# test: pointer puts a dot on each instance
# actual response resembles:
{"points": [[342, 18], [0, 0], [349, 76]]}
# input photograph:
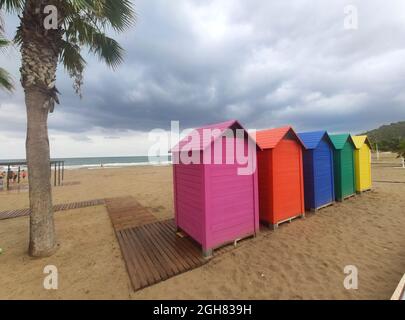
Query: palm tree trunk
{"points": [[39, 53], [42, 229]]}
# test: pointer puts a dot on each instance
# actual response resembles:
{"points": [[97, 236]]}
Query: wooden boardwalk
{"points": [[69, 183], [59, 207], [126, 212], [152, 250], [25, 187]]}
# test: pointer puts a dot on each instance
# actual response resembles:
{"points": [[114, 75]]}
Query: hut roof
{"points": [[339, 140], [359, 141], [312, 139], [269, 139], [203, 142]]}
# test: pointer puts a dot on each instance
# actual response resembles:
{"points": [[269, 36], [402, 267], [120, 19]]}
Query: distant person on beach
{"points": [[15, 176], [2, 180], [10, 175], [24, 174]]}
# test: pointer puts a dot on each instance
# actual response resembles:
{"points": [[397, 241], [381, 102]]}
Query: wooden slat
{"points": [[182, 246], [69, 183], [146, 259], [170, 247], [25, 187], [171, 261], [157, 258], [153, 253], [141, 271], [194, 251], [58, 207], [126, 212], [132, 267]]}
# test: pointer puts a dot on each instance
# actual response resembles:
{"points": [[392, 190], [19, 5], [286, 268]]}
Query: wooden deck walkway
{"points": [[153, 253], [59, 207], [127, 212], [152, 250], [25, 187]]}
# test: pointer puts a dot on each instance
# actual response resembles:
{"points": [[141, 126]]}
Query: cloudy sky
{"points": [[266, 63]]}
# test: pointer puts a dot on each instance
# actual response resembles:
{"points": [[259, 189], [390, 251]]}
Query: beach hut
{"points": [[318, 170], [362, 163], [343, 159], [215, 202], [281, 188]]}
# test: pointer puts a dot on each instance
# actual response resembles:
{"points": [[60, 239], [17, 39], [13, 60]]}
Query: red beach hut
{"points": [[281, 187], [215, 203]]}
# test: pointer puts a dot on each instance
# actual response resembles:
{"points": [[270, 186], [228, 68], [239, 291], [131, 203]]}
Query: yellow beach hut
{"points": [[362, 162]]}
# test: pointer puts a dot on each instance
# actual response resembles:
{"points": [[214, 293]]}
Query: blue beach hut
{"points": [[319, 188]]}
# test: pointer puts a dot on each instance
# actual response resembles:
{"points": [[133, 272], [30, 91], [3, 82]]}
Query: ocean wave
{"points": [[116, 165]]}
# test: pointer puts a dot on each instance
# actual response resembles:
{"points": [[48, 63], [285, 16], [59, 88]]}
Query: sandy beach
{"points": [[301, 260]]}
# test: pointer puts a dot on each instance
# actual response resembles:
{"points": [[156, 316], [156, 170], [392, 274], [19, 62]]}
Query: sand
{"points": [[151, 185], [301, 260]]}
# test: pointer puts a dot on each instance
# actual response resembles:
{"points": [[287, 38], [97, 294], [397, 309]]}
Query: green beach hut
{"points": [[343, 158]]}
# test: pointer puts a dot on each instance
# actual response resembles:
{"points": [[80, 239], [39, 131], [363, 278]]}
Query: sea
{"points": [[103, 162]]}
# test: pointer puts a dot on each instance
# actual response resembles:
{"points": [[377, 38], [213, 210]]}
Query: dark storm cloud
{"points": [[265, 63]]}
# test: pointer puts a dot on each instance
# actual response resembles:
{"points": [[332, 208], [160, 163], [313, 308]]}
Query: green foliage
{"points": [[6, 82], [388, 137], [401, 149], [14, 6]]}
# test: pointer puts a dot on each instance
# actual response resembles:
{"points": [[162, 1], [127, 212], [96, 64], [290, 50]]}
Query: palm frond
{"points": [[3, 42], [119, 14], [1, 24], [71, 58], [84, 23], [18, 36], [106, 48], [6, 82], [79, 5], [12, 6]]}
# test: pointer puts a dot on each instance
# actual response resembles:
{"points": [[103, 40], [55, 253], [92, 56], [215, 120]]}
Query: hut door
{"points": [[347, 170], [323, 178], [287, 179], [364, 166], [231, 200]]}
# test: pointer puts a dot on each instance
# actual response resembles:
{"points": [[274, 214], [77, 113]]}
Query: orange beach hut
{"points": [[280, 168]]}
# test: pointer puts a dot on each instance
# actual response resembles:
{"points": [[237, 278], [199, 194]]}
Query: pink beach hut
{"points": [[215, 193]]}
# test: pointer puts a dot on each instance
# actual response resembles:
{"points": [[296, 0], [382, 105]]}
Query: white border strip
{"points": [[399, 293]]}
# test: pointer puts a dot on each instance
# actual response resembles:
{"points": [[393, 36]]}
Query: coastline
{"points": [[95, 162]]}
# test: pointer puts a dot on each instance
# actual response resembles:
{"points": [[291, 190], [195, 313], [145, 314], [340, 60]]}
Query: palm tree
{"points": [[79, 23], [5, 79]]}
